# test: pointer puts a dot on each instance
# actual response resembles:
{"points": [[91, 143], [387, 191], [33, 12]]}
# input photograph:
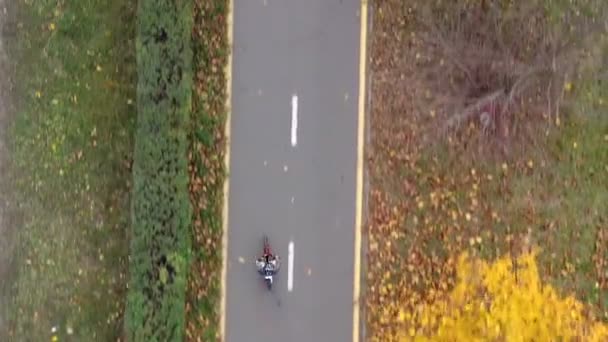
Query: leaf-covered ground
{"points": [[522, 307], [207, 169], [431, 198]]}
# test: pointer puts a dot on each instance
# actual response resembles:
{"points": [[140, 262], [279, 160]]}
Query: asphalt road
{"points": [[303, 193]]}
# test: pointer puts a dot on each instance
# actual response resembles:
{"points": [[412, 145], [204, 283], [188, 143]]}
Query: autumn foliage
{"points": [[500, 301], [206, 168], [486, 187]]}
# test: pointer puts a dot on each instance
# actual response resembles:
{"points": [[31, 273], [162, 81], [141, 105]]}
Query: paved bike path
{"points": [[304, 194]]}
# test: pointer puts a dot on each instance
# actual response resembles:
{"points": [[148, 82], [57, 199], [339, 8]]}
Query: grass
{"points": [[71, 143], [72, 140], [207, 169], [429, 202]]}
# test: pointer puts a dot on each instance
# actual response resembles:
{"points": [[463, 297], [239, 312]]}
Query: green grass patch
{"points": [[207, 169], [70, 143], [570, 197], [161, 214]]}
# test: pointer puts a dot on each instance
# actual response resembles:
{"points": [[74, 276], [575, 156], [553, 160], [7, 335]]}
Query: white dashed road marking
{"points": [[294, 120], [290, 267]]}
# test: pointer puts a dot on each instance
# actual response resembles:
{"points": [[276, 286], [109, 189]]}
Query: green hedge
{"points": [[161, 213]]}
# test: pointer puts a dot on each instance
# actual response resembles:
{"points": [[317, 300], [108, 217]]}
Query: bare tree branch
{"points": [[511, 55], [458, 118]]}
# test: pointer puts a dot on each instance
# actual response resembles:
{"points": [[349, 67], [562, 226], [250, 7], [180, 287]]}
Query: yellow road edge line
{"points": [[360, 166], [228, 73]]}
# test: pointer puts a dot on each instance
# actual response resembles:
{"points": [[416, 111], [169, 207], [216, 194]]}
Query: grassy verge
{"points": [[160, 244], [207, 172], [431, 201], [70, 143]]}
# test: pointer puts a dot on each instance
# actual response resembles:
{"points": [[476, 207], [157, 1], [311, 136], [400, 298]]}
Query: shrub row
{"points": [[161, 213]]}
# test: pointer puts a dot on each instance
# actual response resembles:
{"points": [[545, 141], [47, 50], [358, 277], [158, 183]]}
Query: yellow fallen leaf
{"points": [[401, 317]]}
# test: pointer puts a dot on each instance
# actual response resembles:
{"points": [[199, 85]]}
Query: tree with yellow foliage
{"points": [[501, 301]]}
